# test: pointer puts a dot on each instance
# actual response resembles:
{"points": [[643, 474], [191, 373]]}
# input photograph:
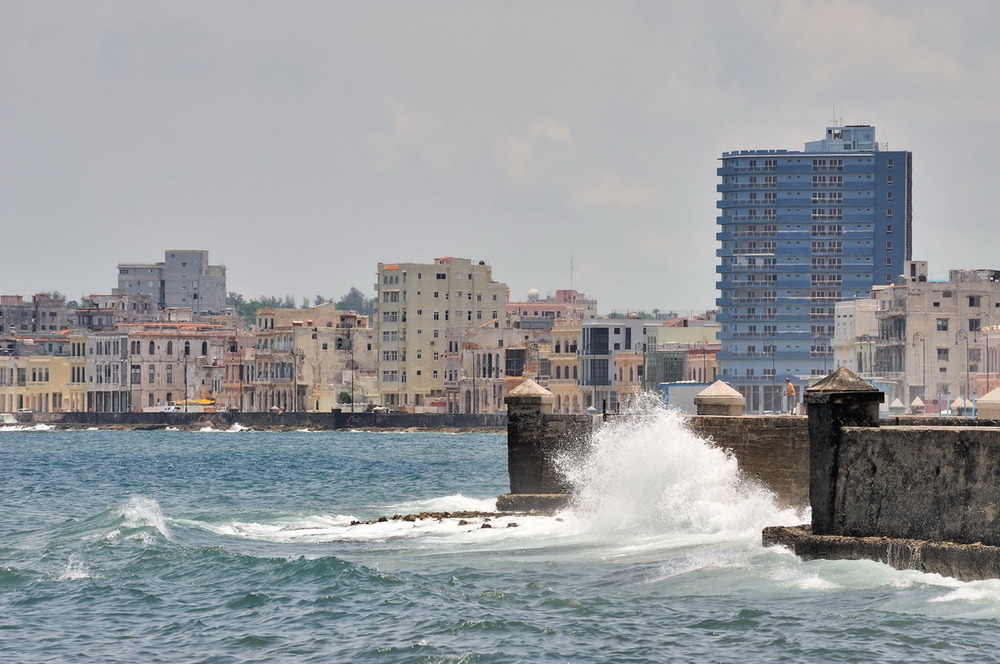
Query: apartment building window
{"points": [[942, 354], [136, 374], [170, 374], [942, 324], [152, 373], [974, 300], [973, 325], [888, 180], [888, 246], [441, 275], [888, 228], [437, 316], [170, 348]]}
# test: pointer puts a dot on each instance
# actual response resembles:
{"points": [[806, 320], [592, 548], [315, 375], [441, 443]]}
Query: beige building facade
{"points": [[934, 336], [416, 304]]}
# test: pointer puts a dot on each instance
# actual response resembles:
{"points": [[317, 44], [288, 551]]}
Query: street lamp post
{"points": [[919, 338], [771, 350], [640, 347], [963, 335]]}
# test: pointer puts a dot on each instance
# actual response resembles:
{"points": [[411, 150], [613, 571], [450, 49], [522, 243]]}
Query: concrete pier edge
{"points": [[965, 562]]}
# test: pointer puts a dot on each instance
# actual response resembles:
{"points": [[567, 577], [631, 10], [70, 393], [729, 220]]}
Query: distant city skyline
{"points": [[301, 143]]}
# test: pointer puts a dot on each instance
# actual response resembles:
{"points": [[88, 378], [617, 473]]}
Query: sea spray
{"points": [[647, 472], [143, 512]]}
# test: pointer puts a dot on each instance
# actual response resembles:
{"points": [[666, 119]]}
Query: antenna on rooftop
{"points": [[836, 122]]}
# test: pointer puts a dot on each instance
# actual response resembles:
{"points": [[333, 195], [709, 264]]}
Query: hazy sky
{"points": [[300, 142]]}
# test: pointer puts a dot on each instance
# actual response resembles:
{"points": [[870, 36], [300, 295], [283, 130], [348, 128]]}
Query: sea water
{"points": [[238, 546]]}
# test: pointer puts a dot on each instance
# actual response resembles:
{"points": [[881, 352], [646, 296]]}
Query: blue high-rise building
{"points": [[798, 232]]}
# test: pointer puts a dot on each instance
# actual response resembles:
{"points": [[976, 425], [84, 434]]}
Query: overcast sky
{"points": [[301, 142]]}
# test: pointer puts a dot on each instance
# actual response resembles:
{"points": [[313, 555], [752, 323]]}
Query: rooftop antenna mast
{"points": [[837, 122]]}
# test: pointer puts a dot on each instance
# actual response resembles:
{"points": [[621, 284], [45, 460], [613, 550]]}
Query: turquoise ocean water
{"points": [[236, 546]]}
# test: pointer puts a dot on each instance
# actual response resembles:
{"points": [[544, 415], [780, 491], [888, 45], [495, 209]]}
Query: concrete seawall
{"points": [[773, 450], [316, 421], [914, 497]]}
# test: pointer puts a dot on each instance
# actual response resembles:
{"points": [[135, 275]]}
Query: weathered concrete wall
{"points": [[771, 450], [535, 442], [925, 483], [961, 561], [774, 450]]}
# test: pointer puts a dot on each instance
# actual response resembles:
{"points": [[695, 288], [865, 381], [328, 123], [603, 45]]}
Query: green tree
{"points": [[355, 300]]}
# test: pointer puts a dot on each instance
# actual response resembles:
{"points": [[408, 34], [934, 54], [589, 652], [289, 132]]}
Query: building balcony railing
{"points": [[562, 382], [740, 234], [752, 268], [751, 251]]}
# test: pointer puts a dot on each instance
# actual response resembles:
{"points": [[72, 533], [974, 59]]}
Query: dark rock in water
{"points": [[486, 525], [541, 503], [463, 522], [512, 525]]}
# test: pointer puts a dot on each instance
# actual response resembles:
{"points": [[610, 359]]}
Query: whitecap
{"points": [[453, 503], [74, 569], [142, 512]]}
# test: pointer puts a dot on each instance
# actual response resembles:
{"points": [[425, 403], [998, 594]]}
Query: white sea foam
{"points": [[142, 512], [339, 528], [34, 427], [75, 569], [974, 592], [236, 427], [649, 473], [453, 503]]}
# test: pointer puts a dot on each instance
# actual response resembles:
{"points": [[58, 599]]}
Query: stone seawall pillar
{"points": [[535, 439], [842, 399]]}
